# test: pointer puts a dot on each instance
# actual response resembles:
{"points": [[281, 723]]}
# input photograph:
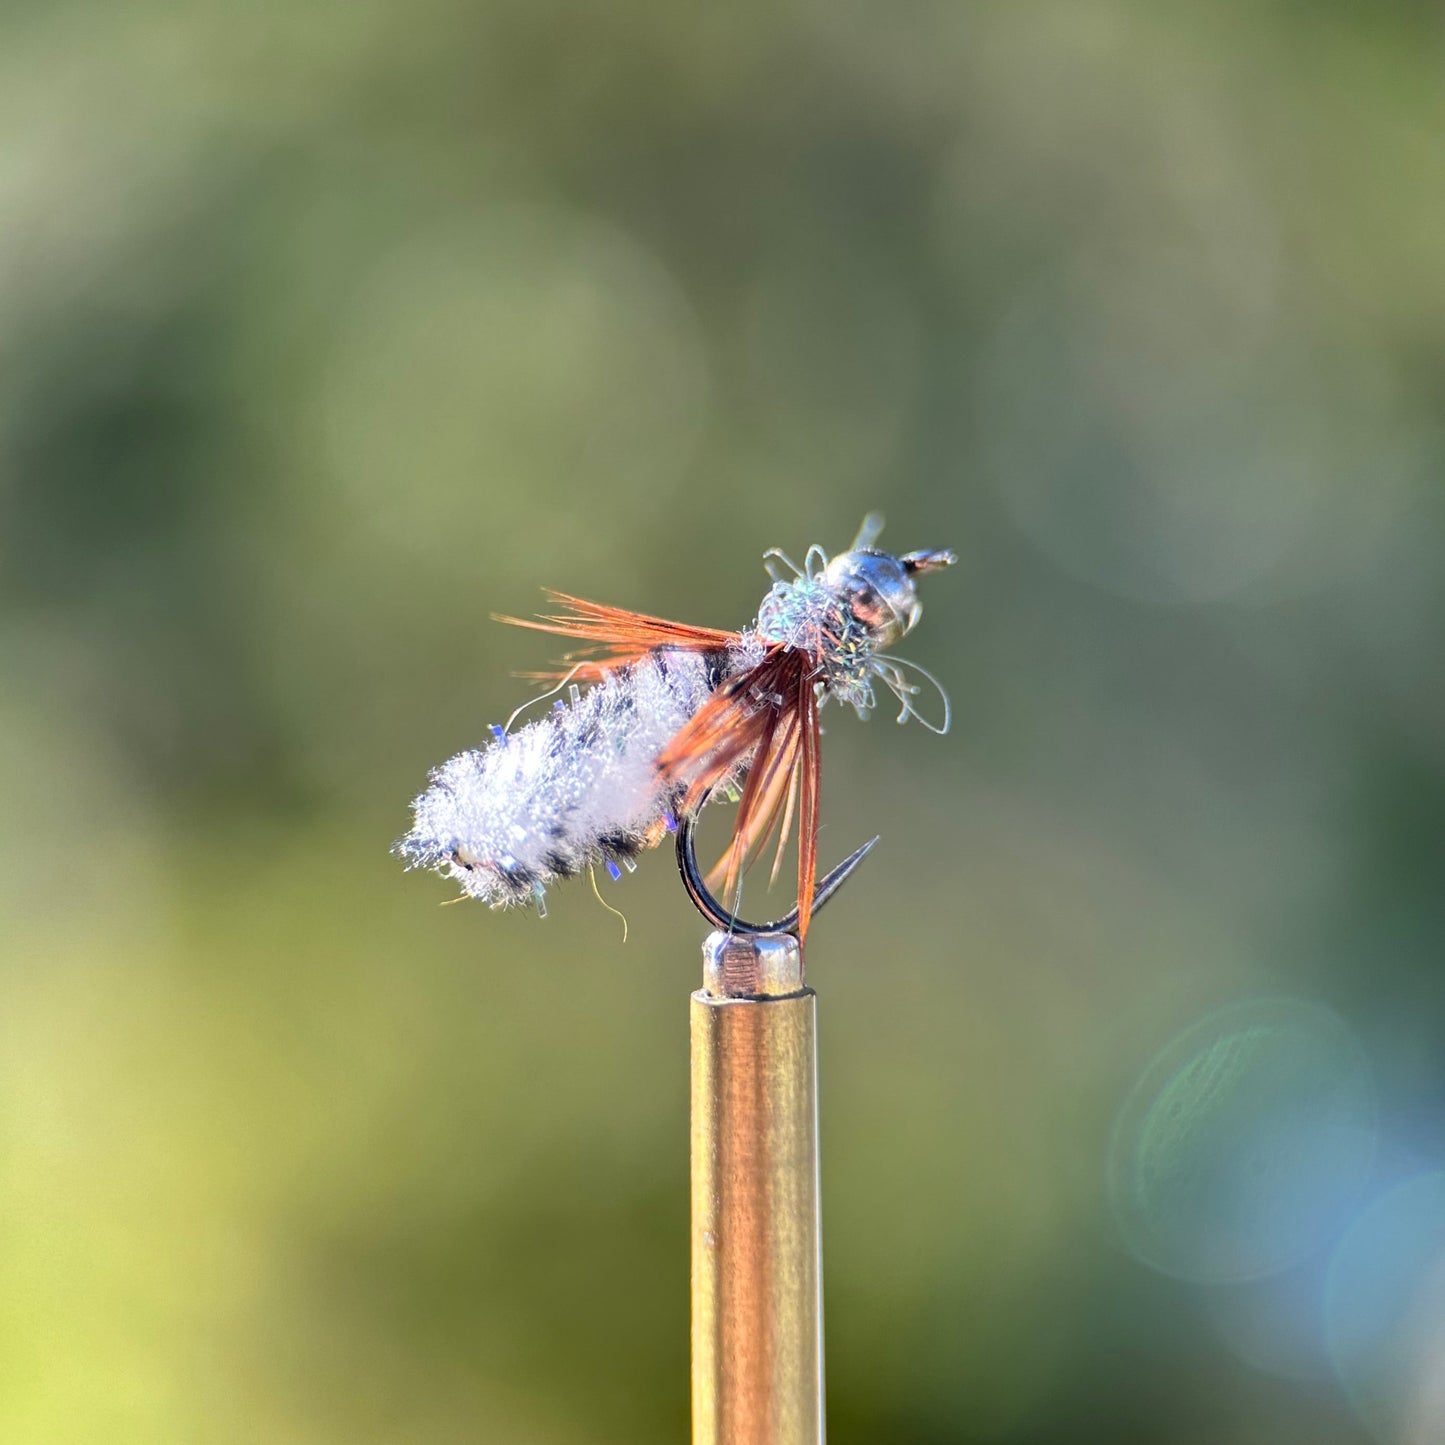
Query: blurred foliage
{"points": [[324, 333]]}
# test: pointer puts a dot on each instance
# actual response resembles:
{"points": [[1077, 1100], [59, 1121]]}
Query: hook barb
{"points": [[728, 922]]}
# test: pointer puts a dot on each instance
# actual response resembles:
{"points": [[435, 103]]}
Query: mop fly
{"points": [[672, 714]]}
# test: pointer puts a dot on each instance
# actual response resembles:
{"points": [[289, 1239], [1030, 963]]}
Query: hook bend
{"points": [[729, 922]]}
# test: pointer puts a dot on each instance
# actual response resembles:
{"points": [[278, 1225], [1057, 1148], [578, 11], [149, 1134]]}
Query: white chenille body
{"points": [[575, 789]]}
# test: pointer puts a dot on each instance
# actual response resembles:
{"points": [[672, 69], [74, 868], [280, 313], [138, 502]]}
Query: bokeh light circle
{"points": [[1244, 1144], [1385, 1313], [465, 345], [1157, 466], [1274, 1324]]}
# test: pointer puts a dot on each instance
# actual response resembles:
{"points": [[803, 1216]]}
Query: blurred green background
{"points": [[327, 331]]}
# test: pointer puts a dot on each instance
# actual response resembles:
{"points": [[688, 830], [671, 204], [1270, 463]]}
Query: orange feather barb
{"points": [[673, 713]]}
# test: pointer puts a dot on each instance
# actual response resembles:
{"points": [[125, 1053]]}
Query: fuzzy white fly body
{"points": [[573, 790], [602, 777]]}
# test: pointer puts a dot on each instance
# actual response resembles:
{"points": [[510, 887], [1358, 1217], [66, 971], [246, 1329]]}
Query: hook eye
{"points": [[915, 562]]}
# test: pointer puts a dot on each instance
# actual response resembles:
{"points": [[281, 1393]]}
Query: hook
{"points": [[719, 916]]}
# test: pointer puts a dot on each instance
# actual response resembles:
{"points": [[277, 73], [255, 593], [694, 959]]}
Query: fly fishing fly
{"points": [[671, 714]]}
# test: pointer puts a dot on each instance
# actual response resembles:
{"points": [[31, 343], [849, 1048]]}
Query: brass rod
{"points": [[757, 1306]]}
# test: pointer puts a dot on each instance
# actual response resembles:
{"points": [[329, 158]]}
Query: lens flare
{"points": [[1385, 1313], [1242, 1147]]}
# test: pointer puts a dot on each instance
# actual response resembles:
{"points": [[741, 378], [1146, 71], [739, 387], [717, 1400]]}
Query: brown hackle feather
{"points": [[768, 718], [765, 719], [809, 793], [616, 636]]}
